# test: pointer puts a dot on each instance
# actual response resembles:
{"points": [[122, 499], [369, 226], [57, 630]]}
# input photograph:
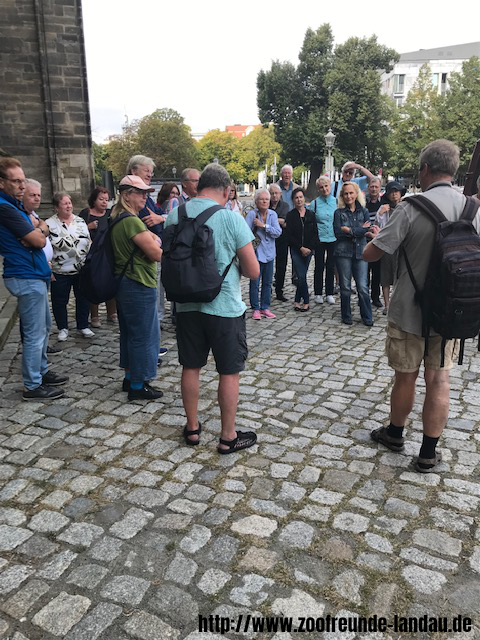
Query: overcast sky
{"points": [[202, 58]]}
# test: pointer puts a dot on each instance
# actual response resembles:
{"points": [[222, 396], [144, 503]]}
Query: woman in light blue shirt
{"points": [[324, 207], [264, 224]]}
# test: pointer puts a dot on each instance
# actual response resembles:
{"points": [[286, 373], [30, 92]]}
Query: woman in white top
{"points": [[233, 203], [70, 242]]}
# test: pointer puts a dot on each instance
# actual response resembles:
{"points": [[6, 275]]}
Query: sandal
{"points": [[427, 465], [244, 440], [195, 432], [381, 435], [295, 308], [306, 308]]}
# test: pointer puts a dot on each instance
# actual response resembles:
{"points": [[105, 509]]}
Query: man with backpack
{"points": [[419, 324], [218, 325]]}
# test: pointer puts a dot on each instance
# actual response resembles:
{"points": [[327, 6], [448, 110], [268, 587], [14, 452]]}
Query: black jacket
{"points": [[301, 233]]}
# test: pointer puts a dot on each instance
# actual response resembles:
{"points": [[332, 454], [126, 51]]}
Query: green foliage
{"points": [[459, 109], [217, 144], [338, 88], [99, 160], [162, 136], [415, 124]]}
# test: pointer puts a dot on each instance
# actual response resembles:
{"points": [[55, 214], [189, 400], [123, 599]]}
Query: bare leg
{"points": [[437, 402], [402, 397], [190, 393], [228, 400], [386, 296]]}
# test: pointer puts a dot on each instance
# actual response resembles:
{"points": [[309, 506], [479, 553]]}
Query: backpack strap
{"points": [[428, 207], [207, 214], [470, 210], [129, 262]]}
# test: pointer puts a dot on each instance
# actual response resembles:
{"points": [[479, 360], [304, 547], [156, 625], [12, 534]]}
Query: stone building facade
{"points": [[44, 109]]}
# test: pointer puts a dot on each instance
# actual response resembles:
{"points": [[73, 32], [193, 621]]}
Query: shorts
{"points": [[405, 351], [198, 332]]}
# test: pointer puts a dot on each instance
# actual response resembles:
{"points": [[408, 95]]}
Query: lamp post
{"points": [[329, 142], [174, 171]]}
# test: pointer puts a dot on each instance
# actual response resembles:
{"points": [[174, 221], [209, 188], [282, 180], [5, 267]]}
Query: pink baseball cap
{"points": [[134, 181]]}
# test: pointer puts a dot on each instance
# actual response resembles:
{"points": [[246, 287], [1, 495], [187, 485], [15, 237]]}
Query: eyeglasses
{"points": [[192, 180], [141, 192], [16, 181]]}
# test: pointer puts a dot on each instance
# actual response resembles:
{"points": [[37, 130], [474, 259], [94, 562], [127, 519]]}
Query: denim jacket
{"points": [[350, 245]]}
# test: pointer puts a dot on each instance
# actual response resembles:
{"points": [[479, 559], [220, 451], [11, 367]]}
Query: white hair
{"points": [[139, 161], [33, 183], [260, 192], [346, 164], [286, 166], [274, 187]]}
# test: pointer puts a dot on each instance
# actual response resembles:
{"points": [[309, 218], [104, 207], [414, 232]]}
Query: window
{"points": [[443, 86], [399, 83], [435, 80], [399, 101]]}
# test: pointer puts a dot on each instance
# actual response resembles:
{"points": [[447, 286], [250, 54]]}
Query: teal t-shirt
{"points": [[231, 233]]}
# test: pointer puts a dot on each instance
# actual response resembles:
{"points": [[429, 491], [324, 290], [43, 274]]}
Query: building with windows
{"points": [[442, 61]]}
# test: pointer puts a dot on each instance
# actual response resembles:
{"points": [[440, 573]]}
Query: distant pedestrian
{"points": [[168, 197], [233, 203], [281, 243]]}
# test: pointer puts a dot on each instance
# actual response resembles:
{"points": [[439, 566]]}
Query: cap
{"points": [[134, 181]]}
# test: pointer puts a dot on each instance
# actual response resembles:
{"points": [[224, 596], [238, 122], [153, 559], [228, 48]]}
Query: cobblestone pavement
{"points": [[111, 528]]}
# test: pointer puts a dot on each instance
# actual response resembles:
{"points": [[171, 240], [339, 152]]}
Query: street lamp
{"points": [[329, 142], [174, 171]]}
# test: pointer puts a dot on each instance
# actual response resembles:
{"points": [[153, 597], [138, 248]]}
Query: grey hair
{"points": [[346, 164], [139, 161], [441, 156], [322, 180], [259, 192], [33, 183], [59, 196], [214, 176], [274, 187], [186, 173], [376, 179], [286, 166]]}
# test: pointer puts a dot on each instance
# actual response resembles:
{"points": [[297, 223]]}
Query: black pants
{"points": [[320, 264], [374, 277], [281, 260]]}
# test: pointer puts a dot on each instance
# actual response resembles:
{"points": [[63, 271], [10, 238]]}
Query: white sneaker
{"points": [[86, 333], [330, 300], [62, 335], [319, 299]]}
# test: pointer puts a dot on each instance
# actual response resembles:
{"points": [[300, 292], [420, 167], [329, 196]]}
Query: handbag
{"points": [[256, 240]]}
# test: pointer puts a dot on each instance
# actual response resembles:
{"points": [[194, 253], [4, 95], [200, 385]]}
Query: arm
{"points": [[22, 228], [35, 239], [341, 231], [359, 231], [371, 253], [272, 228], [249, 266], [368, 174], [148, 243]]}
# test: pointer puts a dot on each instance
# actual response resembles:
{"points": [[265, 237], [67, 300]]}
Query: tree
{"points": [[255, 152], [162, 136], [459, 110], [338, 88], [415, 124], [99, 160], [220, 145]]}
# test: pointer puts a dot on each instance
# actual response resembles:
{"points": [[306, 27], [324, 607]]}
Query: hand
{"points": [[366, 224], [305, 251], [385, 208], [156, 238], [282, 223], [373, 231], [152, 219], [258, 223], [93, 225], [346, 229]]}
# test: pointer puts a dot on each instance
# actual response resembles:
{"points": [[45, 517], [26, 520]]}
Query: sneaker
{"points": [[256, 315], [266, 313], [319, 299], [62, 335], [51, 379], [95, 323], [145, 393], [162, 351], [330, 300], [377, 303], [53, 351], [43, 392], [86, 333]]}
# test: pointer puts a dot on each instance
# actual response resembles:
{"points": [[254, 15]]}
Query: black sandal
{"points": [[195, 432], [244, 440]]}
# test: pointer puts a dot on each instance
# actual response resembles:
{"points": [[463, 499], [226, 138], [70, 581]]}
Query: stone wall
{"points": [[44, 109]]}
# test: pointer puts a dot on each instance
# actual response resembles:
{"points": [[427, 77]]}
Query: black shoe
{"points": [[53, 379], [126, 385], [347, 321], [145, 393], [368, 323], [53, 351], [281, 297], [377, 303], [43, 392], [159, 362]]}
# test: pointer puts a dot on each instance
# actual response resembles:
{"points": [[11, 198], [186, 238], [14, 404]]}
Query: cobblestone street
{"points": [[111, 528]]}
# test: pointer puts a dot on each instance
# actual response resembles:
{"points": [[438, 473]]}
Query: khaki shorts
{"points": [[405, 351]]}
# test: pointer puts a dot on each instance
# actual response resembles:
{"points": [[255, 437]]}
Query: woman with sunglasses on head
{"points": [[139, 250], [302, 237], [168, 197]]}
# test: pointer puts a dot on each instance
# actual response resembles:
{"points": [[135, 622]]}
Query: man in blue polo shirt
{"points": [[26, 274], [287, 185]]}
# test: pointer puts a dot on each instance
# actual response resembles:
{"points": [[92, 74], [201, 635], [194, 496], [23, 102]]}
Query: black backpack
{"points": [[450, 299], [98, 282], [189, 269]]}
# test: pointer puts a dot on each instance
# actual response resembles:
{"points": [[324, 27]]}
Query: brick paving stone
{"points": [[255, 526], [297, 534], [80, 533], [133, 522], [252, 592], [23, 600], [351, 522], [12, 517], [95, 622], [299, 605], [196, 539], [48, 522], [174, 605], [181, 569], [349, 584], [437, 541], [125, 589], [213, 580], [61, 613], [11, 537], [53, 569], [423, 580], [145, 626], [87, 576]]}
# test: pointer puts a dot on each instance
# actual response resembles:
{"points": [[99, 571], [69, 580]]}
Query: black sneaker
{"points": [[53, 351], [281, 297], [54, 379], [43, 392], [377, 303], [126, 385], [145, 393]]}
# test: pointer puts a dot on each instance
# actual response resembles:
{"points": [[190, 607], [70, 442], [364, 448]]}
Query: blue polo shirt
{"points": [[19, 261]]}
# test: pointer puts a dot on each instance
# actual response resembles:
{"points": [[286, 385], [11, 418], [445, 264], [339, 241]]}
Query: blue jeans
{"points": [[139, 329], [266, 278], [301, 264], [61, 287], [34, 312], [359, 269]]}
